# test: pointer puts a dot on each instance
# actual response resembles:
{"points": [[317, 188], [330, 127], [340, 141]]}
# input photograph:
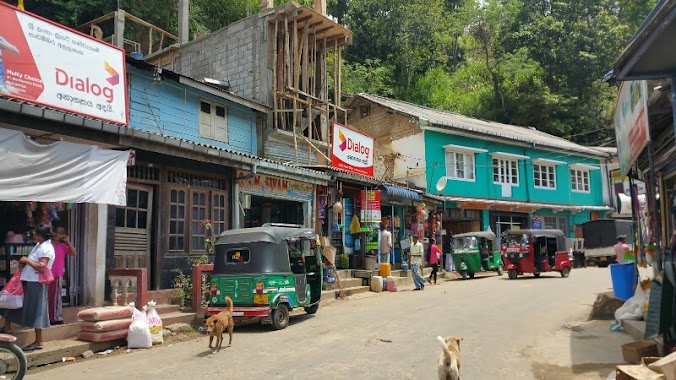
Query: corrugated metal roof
{"points": [[452, 121]]}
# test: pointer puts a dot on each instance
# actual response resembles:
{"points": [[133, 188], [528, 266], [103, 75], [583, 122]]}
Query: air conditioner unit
{"points": [[245, 201]]}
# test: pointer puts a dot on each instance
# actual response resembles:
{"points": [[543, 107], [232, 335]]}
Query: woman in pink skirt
{"points": [[62, 248]]}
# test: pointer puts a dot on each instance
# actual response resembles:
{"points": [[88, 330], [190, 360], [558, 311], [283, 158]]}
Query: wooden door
{"points": [[133, 228]]}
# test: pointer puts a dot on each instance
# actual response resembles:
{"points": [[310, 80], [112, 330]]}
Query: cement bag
{"points": [[632, 309], [155, 324], [139, 331]]}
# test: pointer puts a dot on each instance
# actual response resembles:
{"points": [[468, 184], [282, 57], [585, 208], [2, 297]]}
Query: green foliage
{"points": [[371, 77], [343, 261]]}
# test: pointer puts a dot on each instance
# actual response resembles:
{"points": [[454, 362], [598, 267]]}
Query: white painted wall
{"points": [[95, 262], [410, 165]]}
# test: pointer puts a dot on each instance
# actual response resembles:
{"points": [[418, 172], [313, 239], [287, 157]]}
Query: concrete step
{"points": [[333, 294], [636, 329], [53, 351], [346, 283], [164, 296], [26, 336], [177, 317], [166, 308], [345, 273]]}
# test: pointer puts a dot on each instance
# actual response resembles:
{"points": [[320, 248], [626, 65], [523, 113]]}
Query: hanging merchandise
{"points": [[355, 226]]}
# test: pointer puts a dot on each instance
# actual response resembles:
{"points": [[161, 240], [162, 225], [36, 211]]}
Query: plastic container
{"points": [[391, 284], [370, 262], [623, 276], [376, 284], [385, 269], [329, 275]]}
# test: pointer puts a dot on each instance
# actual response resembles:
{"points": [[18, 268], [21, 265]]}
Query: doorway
{"points": [[133, 228], [273, 210]]}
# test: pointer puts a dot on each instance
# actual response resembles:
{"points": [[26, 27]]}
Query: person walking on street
{"points": [[62, 248], [416, 262], [433, 260], [622, 250]]}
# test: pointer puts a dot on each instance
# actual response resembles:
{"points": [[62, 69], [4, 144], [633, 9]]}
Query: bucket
{"points": [[329, 274], [623, 276], [650, 253]]}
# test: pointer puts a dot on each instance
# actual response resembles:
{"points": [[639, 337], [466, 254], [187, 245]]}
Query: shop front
{"points": [[269, 199], [405, 213]]}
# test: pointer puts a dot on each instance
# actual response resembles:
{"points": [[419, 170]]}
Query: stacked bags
{"points": [[102, 324]]}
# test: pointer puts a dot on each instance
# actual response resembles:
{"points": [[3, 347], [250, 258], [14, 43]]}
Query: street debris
{"points": [[179, 328], [106, 352], [88, 354], [373, 341], [67, 359]]}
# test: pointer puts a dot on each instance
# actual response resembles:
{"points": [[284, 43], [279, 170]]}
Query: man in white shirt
{"points": [[385, 245], [416, 263]]}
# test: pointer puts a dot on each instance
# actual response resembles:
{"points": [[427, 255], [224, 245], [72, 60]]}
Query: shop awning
{"points": [[517, 206], [401, 192], [60, 172]]}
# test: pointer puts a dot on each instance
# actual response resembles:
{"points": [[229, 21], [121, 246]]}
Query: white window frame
{"points": [[505, 171], [211, 125], [453, 152], [542, 173], [577, 180]]}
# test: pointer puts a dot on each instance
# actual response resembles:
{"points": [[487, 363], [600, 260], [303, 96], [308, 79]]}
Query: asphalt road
{"points": [[512, 329]]}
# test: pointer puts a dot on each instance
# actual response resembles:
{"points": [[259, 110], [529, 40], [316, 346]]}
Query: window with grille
{"points": [[579, 180], [544, 176], [557, 223], [460, 165], [505, 172]]}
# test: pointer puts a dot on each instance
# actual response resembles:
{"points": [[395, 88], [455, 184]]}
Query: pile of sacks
{"points": [[142, 329]]}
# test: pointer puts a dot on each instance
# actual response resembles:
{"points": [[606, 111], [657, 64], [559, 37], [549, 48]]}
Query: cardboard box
{"points": [[636, 372], [634, 351], [665, 366], [647, 360]]}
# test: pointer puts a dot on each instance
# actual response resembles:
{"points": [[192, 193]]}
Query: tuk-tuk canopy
{"points": [[263, 235], [484, 234], [538, 233]]}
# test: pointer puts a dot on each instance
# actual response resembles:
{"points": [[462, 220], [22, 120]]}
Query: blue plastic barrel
{"points": [[624, 278]]}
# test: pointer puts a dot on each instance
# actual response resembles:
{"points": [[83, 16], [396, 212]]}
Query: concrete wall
{"points": [[237, 54], [172, 109]]}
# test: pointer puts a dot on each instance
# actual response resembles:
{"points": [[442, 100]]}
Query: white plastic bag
{"points": [[139, 331], [155, 324], [632, 309]]}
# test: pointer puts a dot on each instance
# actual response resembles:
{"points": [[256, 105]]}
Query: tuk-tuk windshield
{"points": [[300, 247], [522, 240], [465, 242]]}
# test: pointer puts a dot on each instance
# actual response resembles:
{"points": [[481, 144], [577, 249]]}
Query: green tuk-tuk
{"points": [[267, 271], [475, 252]]}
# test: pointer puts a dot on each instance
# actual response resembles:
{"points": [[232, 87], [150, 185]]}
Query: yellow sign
{"points": [[260, 299]]}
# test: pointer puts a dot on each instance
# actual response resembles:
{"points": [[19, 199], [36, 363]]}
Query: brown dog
{"points": [[449, 361], [217, 324]]}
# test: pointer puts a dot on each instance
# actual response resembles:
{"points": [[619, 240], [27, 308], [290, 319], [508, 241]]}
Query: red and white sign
{"points": [[631, 123], [46, 63], [370, 206], [352, 151]]}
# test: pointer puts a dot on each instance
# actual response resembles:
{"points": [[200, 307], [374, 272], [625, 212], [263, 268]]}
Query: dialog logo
{"points": [[343, 140], [352, 151], [114, 79]]}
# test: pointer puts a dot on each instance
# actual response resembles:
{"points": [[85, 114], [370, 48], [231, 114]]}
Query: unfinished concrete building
{"points": [[286, 57]]}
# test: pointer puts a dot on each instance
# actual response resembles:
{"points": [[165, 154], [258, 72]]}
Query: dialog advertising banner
{"points": [[352, 151], [631, 123], [48, 64], [370, 206]]}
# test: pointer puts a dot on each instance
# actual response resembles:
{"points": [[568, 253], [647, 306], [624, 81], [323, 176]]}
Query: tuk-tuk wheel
{"points": [[464, 275], [565, 272], [312, 309], [280, 317], [471, 274], [536, 274], [512, 274], [500, 270]]}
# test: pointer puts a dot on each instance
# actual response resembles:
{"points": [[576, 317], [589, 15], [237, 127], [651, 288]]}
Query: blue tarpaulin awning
{"points": [[404, 193]]}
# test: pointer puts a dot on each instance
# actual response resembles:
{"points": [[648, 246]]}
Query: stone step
{"points": [[345, 273], [333, 294], [54, 351], [26, 336], [347, 283], [177, 317]]}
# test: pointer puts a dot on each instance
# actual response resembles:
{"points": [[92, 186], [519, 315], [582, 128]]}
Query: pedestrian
{"points": [[62, 248], [416, 262], [433, 260], [622, 250], [34, 312], [385, 244]]}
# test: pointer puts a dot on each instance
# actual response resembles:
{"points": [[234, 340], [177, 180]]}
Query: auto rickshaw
{"points": [[267, 271], [475, 252], [535, 251]]}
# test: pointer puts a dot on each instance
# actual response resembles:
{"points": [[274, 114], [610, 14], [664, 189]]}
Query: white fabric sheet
{"points": [[60, 172]]}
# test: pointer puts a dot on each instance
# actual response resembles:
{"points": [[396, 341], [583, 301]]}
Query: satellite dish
{"points": [[441, 183]]}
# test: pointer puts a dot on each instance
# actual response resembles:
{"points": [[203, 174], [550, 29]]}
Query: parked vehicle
{"points": [[475, 252], [536, 251], [267, 271], [600, 237], [13, 363]]}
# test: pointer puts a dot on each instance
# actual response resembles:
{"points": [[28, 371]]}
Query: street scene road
{"points": [[528, 328]]}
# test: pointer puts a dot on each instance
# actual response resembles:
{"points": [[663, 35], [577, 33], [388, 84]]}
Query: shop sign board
{"points": [[370, 206], [631, 123], [352, 151], [266, 184], [46, 63]]}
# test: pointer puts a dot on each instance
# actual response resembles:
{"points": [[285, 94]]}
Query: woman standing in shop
{"points": [[62, 248], [35, 312]]}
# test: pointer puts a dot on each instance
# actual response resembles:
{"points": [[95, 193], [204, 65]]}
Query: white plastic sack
{"points": [[155, 324], [139, 332], [632, 309]]}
